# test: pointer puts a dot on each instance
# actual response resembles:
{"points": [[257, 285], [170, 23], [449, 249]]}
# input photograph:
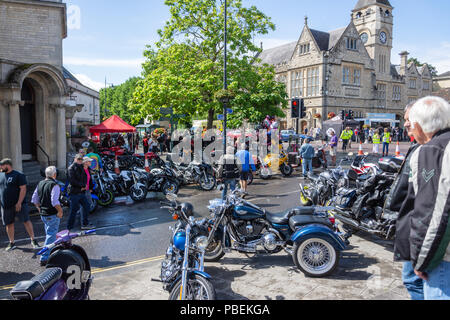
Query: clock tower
{"points": [[374, 21]]}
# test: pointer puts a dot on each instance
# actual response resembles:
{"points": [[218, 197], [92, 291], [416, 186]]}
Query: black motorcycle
{"points": [[201, 174], [361, 208], [159, 180], [128, 182]]}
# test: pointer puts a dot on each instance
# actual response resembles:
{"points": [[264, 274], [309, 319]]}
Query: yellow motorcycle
{"points": [[266, 170]]}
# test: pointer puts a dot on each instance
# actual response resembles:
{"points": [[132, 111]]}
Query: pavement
{"points": [[128, 251]]}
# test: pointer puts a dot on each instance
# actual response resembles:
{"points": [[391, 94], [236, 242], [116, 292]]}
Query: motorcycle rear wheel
{"points": [[316, 257], [265, 173], [138, 194], [286, 170], [170, 187], [209, 183], [214, 252], [198, 288]]}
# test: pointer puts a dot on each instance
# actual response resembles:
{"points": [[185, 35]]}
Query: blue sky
{"points": [[106, 38]]}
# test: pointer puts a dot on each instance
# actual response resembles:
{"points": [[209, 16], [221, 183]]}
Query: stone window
{"points": [[381, 95], [297, 84], [412, 84], [346, 75], [351, 43], [304, 48], [396, 93], [351, 75], [382, 63], [387, 14], [357, 76], [426, 85], [312, 88]]}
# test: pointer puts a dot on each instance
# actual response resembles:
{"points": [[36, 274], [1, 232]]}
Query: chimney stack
{"points": [[404, 62]]}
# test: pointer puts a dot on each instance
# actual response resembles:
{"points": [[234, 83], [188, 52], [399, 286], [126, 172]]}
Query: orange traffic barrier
{"points": [[116, 166], [147, 167], [397, 151], [360, 152]]}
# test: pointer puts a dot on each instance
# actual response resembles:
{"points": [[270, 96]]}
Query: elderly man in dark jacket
{"points": [[78, 185], [423, 235]]}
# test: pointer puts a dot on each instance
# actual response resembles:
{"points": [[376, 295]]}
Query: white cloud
{"points": [[115, 63], [88, 82]]}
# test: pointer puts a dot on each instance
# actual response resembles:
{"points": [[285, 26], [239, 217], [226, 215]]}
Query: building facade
{"points": [[88, 102], [34, 95], [349, 69]]}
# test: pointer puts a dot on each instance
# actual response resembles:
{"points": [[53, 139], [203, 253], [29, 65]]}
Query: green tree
{"points": [[432, 69], [185, 71], [117, 99]]}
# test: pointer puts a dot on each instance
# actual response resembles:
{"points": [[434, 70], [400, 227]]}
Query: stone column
{"points": [[15, 135], [61, 146]]}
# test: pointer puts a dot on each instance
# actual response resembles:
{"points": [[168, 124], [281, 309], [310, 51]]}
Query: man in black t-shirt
{"points": [[13, 189]]}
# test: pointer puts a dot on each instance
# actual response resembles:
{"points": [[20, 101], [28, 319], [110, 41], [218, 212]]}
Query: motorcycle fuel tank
{"points": [[179, 240], [246, 212]]}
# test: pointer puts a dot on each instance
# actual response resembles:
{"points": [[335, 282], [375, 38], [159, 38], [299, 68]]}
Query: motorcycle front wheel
{"points": [[287, 170], [138, 194], [106, 199], [198, 288], [265, 173], [316, 257], [209, 183], [170, 187]]}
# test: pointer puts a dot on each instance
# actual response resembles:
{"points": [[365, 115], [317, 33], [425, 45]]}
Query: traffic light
{"points": [[351, 114], [343, 115], [295, 108], [302, 109]]}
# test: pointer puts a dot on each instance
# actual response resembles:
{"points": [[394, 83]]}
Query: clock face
{"points": [[364, 37], [383, 37]]}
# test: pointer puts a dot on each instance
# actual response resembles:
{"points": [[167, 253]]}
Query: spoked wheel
{"points": [[287, 170], [170, 187], [208, 183], [214, 252], [316, 257], [198, 288], [250, 178]]}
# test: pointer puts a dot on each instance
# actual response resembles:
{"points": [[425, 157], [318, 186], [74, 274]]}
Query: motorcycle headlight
{"points": [[201, 242]]}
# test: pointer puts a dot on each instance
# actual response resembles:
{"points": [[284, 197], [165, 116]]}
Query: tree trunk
{"points": [[211, 114]]}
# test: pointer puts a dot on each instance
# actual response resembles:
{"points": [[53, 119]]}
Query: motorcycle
{"points": [[67, 276], [266, 167], [182, 271], [306, 233], [103, 192], [361, 208], [324, 186], [159, 180], [128, 182], [320, 158], [194, 173], [360, 166]]}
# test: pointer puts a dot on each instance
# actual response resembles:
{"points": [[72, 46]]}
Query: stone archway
{"points": [[49, 89]]}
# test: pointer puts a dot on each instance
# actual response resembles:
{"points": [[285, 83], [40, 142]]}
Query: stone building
{"points": [[34, 95], [350, 69]]}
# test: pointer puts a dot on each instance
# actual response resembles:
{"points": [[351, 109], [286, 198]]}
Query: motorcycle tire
{"points": [[106, 199], [208, 292], [315, 257], [214, 252], [170, 187], [265, 173], [109, 166], [138, 194], [210, 185], [250, 178], [287, 170], [304, 200]]}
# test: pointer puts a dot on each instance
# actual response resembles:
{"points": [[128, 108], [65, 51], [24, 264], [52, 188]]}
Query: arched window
{"points": [[387, 13], [358, 15]]}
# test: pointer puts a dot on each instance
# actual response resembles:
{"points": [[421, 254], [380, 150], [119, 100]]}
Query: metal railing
{"points": [[43, 151]]}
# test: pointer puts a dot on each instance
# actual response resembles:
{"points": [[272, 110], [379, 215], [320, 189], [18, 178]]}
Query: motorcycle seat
{"points": [[298, 221], [34, 288], [283, 217]]}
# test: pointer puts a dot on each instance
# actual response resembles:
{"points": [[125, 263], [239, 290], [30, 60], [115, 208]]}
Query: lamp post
{"points": [[225, 83]]}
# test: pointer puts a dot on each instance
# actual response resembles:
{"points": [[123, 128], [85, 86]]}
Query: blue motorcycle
{"points": [[308, 234], [64, 196]]}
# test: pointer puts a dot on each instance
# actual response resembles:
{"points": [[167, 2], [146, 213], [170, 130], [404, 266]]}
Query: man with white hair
{"points": [[46, 200], [424, 238], [228, 170]]}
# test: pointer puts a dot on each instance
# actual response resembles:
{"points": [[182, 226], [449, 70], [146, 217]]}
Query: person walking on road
{"points": [[46, 199], [228, 171], [376, 141], [423, 235], [245, 163], [13, 189], [306, 155], [78, 181], [333, 147]]}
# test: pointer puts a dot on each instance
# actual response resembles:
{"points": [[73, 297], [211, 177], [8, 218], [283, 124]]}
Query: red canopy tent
{"points": [[112, 125]]}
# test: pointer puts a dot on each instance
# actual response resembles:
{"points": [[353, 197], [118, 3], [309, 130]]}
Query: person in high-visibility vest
{"points": [[387, 139], [376, 142], [346, 135]]}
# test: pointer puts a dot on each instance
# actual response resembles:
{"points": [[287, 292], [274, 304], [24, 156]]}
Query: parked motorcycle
{"points": [[103, 191], [64, 196], [67, 275], [182, 271], [306, 233], [361, 208], [267, 166], [159, 180], [195, 173], [360, 166], [128, 182]]}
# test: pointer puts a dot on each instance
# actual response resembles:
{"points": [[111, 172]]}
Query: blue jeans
{"points": [[51, 225], [385, 148], [438, 285], [412, 282], [75, 201], [307, 166], [231, 183]]}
